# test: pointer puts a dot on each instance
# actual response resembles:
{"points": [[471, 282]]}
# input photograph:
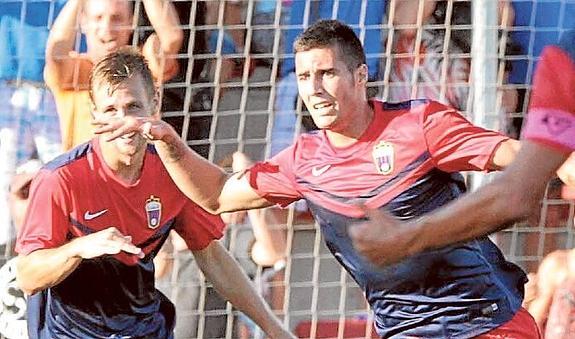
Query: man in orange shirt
{"points": [[107, 25]]}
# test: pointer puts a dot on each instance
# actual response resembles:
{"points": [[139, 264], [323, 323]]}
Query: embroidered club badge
{"points": [[383, 157], [153, 211]]}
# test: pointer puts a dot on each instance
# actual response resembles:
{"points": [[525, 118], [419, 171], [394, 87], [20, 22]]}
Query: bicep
{"points": [[238, 194]]}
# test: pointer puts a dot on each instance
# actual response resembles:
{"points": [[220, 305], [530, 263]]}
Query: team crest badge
{"points": [[153, 211], [383, 157]]}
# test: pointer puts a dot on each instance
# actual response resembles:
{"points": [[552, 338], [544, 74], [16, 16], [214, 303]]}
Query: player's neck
{"points": [[348, 135], [127, 168]]}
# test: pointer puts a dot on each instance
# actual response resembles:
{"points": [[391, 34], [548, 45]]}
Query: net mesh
{"points": [[235, 91]]}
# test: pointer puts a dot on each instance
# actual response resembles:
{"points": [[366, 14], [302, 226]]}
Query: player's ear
{"points": [[361, 74]]}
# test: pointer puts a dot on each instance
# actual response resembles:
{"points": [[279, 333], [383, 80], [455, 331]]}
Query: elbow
{"points": [[175, 41], [26, 284], [171, 41]]}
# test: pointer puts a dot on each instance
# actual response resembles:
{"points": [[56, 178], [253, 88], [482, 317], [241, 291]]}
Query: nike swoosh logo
{"points": [[90, 216], [317, 171]]}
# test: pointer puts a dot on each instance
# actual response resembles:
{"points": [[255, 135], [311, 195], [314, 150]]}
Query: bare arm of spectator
{"points": [[162, 46], [45, 268], [61, 67], [409, 15], [567, 171], [233, 284], [552, 271]]}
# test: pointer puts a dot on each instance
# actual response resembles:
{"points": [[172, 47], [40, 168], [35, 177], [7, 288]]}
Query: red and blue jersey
{"points": [[78, 194], [551, 115], [407, 162]]}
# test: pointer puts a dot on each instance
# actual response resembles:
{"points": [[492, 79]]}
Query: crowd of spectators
{"points": [[195, 50]]}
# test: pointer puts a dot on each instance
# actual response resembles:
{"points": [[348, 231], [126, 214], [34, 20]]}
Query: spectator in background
{"points": [[28, 120], [425, 58], [553, 304], [226, 43], [178, 97], [107, 25]]}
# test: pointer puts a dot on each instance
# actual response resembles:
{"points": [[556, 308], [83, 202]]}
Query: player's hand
{"points": [[115, 127], [382, 239], [108, 241]]}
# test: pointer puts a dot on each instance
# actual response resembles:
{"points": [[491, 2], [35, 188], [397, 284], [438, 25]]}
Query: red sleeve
{"points": [[47, 221], [198, 227], [551, 116], [454, 143], [274, 179]]}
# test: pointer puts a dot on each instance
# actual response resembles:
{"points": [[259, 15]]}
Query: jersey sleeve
{"points": [[46, 223], [198, 227], [551, 114], [274, 179], [454, 143]]}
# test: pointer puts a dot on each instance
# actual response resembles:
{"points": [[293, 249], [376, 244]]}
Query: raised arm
{"points": [[45, 268], [61, 68], [218, 266], [162, 46]]}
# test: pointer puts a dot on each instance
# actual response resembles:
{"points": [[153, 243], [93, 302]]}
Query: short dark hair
{"points": [[119, 66], [332, 33]]}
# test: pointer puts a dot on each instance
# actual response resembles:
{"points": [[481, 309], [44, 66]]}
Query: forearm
{"points": [[472, 216], [197, 178], [164, 19], [239, 290], [510, 197], [45, 268]]}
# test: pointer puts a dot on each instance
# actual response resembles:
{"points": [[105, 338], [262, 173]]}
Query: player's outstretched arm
{"points": [[205, 183], [233, 284], [509, 198], [45, 268]]}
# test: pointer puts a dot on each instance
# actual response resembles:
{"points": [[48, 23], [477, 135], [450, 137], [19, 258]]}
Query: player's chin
{"points": [[130, 146], [324, 122]]}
